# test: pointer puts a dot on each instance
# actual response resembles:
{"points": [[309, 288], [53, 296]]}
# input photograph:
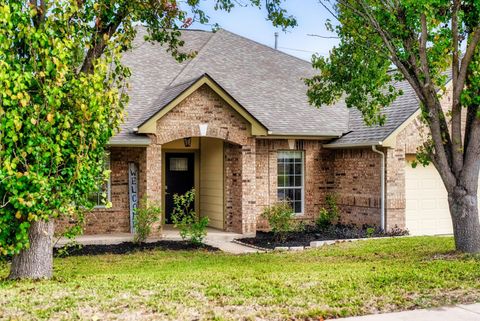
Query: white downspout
{"points": [[382, 196]]}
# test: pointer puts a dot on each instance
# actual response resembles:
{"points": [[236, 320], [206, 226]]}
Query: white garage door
{"points": [[426, 202]]}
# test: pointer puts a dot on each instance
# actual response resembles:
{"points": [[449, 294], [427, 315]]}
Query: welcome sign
{"points": [[133, 192]]}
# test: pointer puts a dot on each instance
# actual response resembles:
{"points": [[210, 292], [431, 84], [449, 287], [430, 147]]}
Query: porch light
{"points": [[187, 141], [203, 129]]}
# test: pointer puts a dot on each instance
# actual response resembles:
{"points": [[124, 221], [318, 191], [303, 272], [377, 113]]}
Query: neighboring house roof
{"points": [[266, 83]]}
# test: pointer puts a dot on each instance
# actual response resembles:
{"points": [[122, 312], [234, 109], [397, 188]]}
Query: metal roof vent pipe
{"points": [[276, 40]]}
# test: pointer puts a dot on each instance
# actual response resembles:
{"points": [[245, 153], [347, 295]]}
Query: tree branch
{"points": [[423, 51], [99, 41], [427, 96], [457, 152], [472, 150], [472, 111], [41, 12], [329, 10], [467, 58]]}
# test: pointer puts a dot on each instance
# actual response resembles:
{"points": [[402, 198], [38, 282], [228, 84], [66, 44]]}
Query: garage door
{"points": [[426, 202]]}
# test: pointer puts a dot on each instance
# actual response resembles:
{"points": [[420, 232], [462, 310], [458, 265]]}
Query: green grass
{"points": [[341, 280]]}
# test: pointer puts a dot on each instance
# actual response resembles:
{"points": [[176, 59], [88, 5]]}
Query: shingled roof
{"points": [[396, 114], [266, 82]]}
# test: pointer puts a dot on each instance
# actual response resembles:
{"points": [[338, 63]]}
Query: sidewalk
{"points": [[469, 312]]}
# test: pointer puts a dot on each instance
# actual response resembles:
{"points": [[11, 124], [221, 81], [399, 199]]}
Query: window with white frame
{"points": [[290, 178], [101, 197]]}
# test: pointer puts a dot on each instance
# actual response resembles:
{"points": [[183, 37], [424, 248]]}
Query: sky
{"points": [[251, 23]]}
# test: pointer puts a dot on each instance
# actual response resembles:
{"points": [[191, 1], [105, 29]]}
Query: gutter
{"points": [[382, 196], [328, 135], [353, 145], [129, 143]]}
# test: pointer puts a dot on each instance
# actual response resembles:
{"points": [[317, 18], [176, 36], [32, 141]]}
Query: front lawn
{"points": [[345, 279]]}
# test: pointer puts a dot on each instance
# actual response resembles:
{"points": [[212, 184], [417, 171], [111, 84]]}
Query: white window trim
{"points": [[109, 185], [302, 213]]}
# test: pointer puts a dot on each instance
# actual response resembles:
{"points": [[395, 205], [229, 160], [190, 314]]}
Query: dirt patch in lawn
{"points": [[269, 240], [128, 247]]}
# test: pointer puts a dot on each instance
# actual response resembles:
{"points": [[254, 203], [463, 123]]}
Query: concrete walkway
{"points": [[216, 238], [470, 312]]}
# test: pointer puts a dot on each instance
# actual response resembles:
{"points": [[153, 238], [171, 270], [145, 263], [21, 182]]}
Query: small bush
{"points": [[147, 214], [302, 227], [370, 232], [280, 218], [191, 226], [329, 214]]}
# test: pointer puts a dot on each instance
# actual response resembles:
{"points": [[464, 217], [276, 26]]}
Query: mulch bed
{"points": [[128, 247], [268, 240]]}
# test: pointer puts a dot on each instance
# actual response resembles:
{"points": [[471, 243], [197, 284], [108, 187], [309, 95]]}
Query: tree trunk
{"points": [[35, 262], [466, 225]]}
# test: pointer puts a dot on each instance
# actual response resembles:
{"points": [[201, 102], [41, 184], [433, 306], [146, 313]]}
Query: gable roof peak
{"points": [[265, 46]]}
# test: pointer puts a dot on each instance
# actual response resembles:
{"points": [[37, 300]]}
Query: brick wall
{"points": [[356, 177], [357, 184], [251, 171], [417, 132], [203, 106], [117, 218], [233, 187], [317, 175], [395, 184]]}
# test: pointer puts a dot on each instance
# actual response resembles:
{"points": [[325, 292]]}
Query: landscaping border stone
{"points": [[317, 244], [251, 246], [313, 244]]}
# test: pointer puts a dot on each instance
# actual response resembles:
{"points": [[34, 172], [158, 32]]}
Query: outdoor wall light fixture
{"points": [[187, 141]]}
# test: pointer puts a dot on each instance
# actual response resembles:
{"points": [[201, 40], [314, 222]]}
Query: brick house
{"points": [[235, 124]]}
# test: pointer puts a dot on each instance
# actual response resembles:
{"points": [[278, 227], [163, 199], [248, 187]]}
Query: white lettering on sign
{"points": [[133, 192]]}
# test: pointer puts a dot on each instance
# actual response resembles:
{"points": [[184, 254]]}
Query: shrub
{"points": [[329, 214], [186, 220], [370, 232], [302, 227], [280, 218], [147, 214]]}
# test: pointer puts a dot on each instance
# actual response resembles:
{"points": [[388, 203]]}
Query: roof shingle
{"points": [[266, 82]]}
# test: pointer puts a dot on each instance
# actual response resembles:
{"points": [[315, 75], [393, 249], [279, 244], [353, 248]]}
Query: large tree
{"points": [[62, 96], [429, 43]]}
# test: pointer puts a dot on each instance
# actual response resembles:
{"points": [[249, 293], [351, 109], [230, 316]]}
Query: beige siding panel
{"points": [[427, 210], [211, 181]]}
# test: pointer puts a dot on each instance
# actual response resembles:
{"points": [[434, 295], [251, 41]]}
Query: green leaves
{"points": [[41, 127], [376, 37], [62, 97], [361, 75]]}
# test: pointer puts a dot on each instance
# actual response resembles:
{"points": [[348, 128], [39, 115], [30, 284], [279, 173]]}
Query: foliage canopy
{"points": [[63, 95]]}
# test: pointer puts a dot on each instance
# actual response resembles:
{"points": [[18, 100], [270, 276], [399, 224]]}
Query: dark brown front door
{"points": [[179, 178]]}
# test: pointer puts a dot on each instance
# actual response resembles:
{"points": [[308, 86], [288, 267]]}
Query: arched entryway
{"points": [[199, 163]]}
